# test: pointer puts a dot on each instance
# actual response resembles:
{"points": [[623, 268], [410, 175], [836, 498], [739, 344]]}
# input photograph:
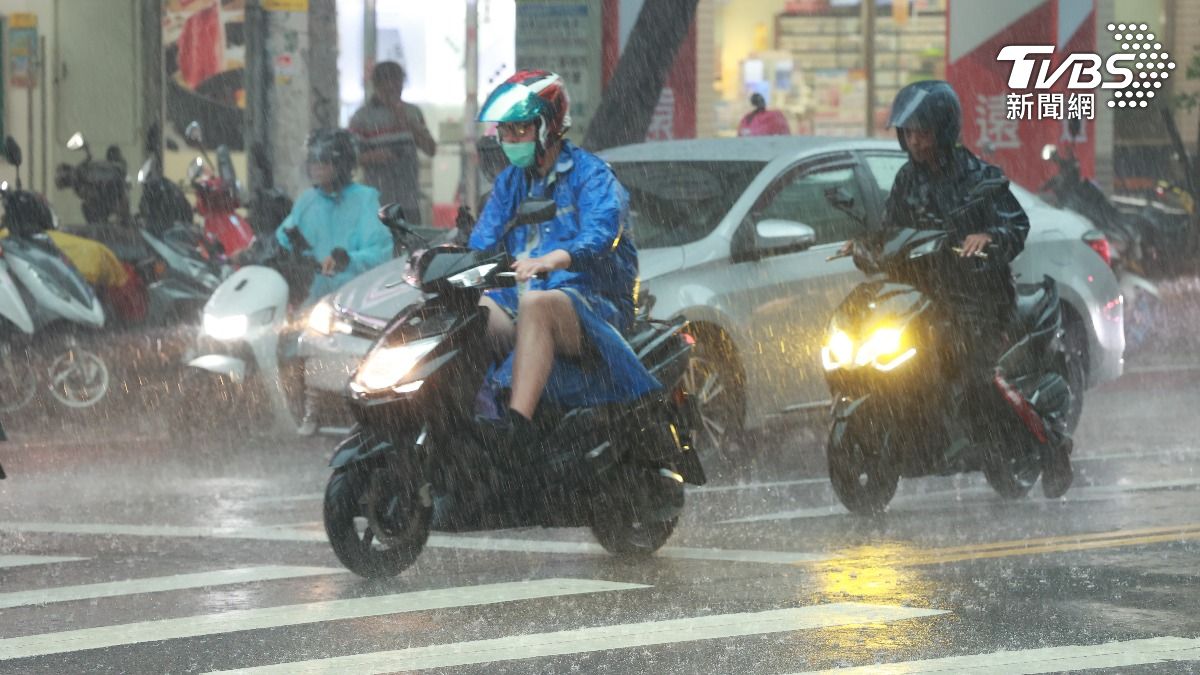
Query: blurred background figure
{"points": [[390, 131], [763, 122]]}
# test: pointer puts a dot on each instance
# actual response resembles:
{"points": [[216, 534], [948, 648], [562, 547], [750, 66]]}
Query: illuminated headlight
{"points": [[226, 328], [386, 367], [320, 320], [885, 350], [838, 351], [472, 277]]}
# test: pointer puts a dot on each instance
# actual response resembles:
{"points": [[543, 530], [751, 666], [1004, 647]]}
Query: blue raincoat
{"points": [[347, 219], [591, 225]]}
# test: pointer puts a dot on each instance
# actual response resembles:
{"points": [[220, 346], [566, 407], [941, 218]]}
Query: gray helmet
{"points": [[337, 147], [931, 105]]}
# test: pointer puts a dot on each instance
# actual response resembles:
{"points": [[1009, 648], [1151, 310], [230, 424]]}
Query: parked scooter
{"points": [[46, 309], [218, 196], [893, 361], [1126, 235], [418, 460], [159, 243]]}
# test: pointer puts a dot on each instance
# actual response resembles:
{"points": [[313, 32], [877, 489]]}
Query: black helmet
{"points": [[336, 147], [932, 105]]}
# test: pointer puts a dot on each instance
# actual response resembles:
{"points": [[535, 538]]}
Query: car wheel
{"points": [[1075, 341], [714, 386]]}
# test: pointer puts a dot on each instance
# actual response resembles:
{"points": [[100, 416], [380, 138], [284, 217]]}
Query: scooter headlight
{"points": [[226, 328], [885, 349], [838, 350], [386, 367]]}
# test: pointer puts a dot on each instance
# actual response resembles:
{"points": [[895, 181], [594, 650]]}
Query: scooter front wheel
{"points": [[859, 474], [625, 537], [376, 526], [78, 378]]}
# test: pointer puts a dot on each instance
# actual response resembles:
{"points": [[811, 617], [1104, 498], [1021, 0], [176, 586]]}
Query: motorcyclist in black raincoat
{"points": [[940, 173]]}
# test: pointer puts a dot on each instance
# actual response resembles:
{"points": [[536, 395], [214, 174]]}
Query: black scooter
{"points": [[418, 459], [893, 362]]}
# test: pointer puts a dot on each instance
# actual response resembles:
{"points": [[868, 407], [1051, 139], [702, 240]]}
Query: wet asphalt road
{"points": [[765, 574]]}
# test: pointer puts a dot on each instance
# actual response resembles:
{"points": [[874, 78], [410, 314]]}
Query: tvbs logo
{"points": [[1142, 64]]}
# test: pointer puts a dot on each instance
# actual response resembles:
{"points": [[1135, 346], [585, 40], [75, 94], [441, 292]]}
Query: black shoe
{"points": [[1056, 470], [512, 439]]}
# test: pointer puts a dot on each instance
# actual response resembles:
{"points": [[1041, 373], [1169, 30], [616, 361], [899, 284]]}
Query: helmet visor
{"points": [[904, 113]]}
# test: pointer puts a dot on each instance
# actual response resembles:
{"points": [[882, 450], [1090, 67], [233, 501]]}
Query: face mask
{"points": [[520, 154]]}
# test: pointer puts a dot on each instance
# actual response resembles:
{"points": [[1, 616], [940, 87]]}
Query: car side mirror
{"points": [[775, 237]]}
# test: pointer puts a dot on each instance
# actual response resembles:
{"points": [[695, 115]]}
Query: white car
{"points": [[723, 231]]}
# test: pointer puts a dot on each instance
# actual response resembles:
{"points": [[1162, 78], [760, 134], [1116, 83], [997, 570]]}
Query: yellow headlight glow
{"points": [[884, 348], [386, 367]]}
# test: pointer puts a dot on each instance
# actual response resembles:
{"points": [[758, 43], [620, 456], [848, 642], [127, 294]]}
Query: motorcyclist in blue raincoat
{"points": [[337, 216], [340, 220], [562, 334]]}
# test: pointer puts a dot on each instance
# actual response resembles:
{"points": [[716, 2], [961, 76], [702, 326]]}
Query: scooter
{"points": [[242, 350], [1126, 233], [894, 364], [159, 243], [45, 307], [418, 460], [218, 196]]}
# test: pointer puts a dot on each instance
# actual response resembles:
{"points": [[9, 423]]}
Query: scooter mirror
{"points": [[193, 133], [144, 172], [76, 142], [12, 151], [535, 211], [392, 215], [1049, 151]]}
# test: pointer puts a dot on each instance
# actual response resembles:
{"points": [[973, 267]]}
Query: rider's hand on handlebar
{"points": [[329, 267], [528, 268], [974, 244]]}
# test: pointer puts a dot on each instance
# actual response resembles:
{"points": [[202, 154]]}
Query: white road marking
{"points": [[23, 560], [509, 545], [600, 638], [1048, 660], [757, 486], [176, 582], [294, 615], [1146, 370], [310, 497], [1082, 493]]}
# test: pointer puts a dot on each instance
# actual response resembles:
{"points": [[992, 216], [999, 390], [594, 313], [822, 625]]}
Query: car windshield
{"points": [[674, 203]]}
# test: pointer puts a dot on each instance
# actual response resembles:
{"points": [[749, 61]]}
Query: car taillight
{"points": [[1099, 243]]}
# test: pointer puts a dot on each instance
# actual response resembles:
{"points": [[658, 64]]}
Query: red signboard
{"points": [[1009, 127]]}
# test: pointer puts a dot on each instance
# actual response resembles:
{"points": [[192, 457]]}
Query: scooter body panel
{"points": [[12, 305]]}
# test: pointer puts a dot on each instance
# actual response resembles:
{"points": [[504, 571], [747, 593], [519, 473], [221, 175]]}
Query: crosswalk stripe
{"points": [[23, 560], [294, 615], [1046, 660], [156, 584], [600, 638], [512, 545]]}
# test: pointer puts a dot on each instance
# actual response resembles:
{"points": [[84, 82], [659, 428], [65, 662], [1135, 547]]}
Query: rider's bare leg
{"points": [[502, 332], [546, 326]]}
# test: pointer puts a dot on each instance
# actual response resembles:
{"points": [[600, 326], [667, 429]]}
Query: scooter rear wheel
{"points": [[1012, 477], [625, 537], [377, 527]]}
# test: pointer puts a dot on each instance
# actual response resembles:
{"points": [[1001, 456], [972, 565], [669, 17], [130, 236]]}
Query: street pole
{"points": [[257, 135], [370, 43], [868, 54], [470, 152]]}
